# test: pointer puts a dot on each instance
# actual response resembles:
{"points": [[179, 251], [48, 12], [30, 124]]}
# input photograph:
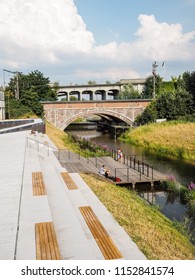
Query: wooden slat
{"points": [[38, 184], [68, 181], [104, 241], [46, 242]]}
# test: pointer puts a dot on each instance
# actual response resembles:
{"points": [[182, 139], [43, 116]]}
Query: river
{"points": [[183, 171]]}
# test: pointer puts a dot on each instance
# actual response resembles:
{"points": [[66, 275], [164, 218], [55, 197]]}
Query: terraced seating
{"points": [[38, 184], [46, 242], [68, 181], [104, 241]]}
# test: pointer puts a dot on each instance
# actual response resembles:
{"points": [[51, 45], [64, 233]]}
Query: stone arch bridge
{"points": [[61, 114]]}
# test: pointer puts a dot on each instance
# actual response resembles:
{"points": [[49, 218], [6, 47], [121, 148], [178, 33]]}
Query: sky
{"points": [[76, 41]]}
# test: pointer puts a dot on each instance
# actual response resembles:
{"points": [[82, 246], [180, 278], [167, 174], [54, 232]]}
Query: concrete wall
{"points": [[9, 126]]}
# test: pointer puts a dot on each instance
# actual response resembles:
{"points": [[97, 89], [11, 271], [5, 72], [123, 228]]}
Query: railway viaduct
{"points": [[61, 114]]}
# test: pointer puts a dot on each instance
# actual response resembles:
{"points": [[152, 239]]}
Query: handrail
{"points": [[35, 140]]}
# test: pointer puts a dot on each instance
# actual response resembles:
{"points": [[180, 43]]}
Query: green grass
{"points": [[171, 138], [156, 236]]}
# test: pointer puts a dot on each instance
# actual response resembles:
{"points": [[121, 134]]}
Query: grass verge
{"points": [[154, 234]]}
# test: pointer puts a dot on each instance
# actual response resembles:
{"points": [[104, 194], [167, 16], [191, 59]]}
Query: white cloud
{"points": [[42, 29], [38, 34], [111, 74]]}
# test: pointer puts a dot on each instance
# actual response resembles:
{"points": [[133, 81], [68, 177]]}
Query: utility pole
{"points": [[17, 95], [154, 66]]}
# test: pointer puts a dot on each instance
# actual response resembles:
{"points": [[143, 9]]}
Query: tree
{"points": [[129, 92], [91, 83], [37, 82], [34, 88], [150, 86], [189, 83], [148, 116], [30, 99]]}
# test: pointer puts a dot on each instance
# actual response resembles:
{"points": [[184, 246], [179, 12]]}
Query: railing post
{"points": [[134, 163], [143, 167], [127, 174], [147, 170], [140, 173], [152, 172]]}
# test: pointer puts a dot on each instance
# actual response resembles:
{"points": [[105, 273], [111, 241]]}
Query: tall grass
{"points": [[170, 138]]}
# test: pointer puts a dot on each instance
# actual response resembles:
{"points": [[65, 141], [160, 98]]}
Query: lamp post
{"points": [[154, 66], [17, 95]]}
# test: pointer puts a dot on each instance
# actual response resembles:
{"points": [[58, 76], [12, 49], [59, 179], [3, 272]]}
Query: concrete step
{"points": [[73, 242]]}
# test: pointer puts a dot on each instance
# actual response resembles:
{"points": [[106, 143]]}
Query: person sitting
{"points": [[107, 174], [102, 170]]}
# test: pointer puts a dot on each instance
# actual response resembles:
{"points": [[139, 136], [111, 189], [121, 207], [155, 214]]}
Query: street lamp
{"points": [[154, 66]]}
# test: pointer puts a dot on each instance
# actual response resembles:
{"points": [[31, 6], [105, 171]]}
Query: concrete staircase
{"points": [[61, 206]]}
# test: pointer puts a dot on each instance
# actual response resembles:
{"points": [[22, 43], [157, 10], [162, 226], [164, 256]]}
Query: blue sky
{"points": [[75, 41], [105, 18]]}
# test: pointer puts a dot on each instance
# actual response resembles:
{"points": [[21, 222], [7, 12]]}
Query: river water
{"points": [[183, 171]]}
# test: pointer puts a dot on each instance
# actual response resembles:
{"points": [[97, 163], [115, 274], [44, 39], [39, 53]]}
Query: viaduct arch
{"points": [[95, 92], [61, 114]]}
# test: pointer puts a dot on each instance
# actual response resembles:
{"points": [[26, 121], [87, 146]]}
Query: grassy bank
{"points": [[154, 234], [170, 138]]}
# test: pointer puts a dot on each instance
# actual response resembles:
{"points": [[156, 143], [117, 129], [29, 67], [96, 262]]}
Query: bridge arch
{"points": [[61, 114], [88, 114]]}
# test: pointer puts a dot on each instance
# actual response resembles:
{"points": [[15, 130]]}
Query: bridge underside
{"points": [[108, 116]]}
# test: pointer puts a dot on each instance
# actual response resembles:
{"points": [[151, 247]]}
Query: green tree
{"points": [[166, 87], [129, 92], [150, 86], [149, 115], [33, 88], [189, 83], [30, 99], [35, 81], [14, 108], [91, 82]]}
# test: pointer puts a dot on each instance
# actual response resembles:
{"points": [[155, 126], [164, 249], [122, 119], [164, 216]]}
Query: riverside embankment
{"points": [[169, 138], [174, 246]]}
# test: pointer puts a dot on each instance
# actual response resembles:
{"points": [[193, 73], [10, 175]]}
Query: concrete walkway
{"points": [[20, 210]]}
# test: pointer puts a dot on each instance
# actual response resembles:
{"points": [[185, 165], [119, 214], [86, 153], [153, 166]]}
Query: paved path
{"points": [[20, 210]]}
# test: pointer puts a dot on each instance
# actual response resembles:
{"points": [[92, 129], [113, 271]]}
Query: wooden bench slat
{"points": [[104, 241], [38, 242], [38, 184], [68, 181], [46, 242], [55, 243]]}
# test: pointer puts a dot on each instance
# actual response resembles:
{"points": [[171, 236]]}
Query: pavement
{"points": [[21, 154]]}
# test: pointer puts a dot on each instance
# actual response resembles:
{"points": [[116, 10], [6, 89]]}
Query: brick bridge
{"points": [[61, 114]]}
